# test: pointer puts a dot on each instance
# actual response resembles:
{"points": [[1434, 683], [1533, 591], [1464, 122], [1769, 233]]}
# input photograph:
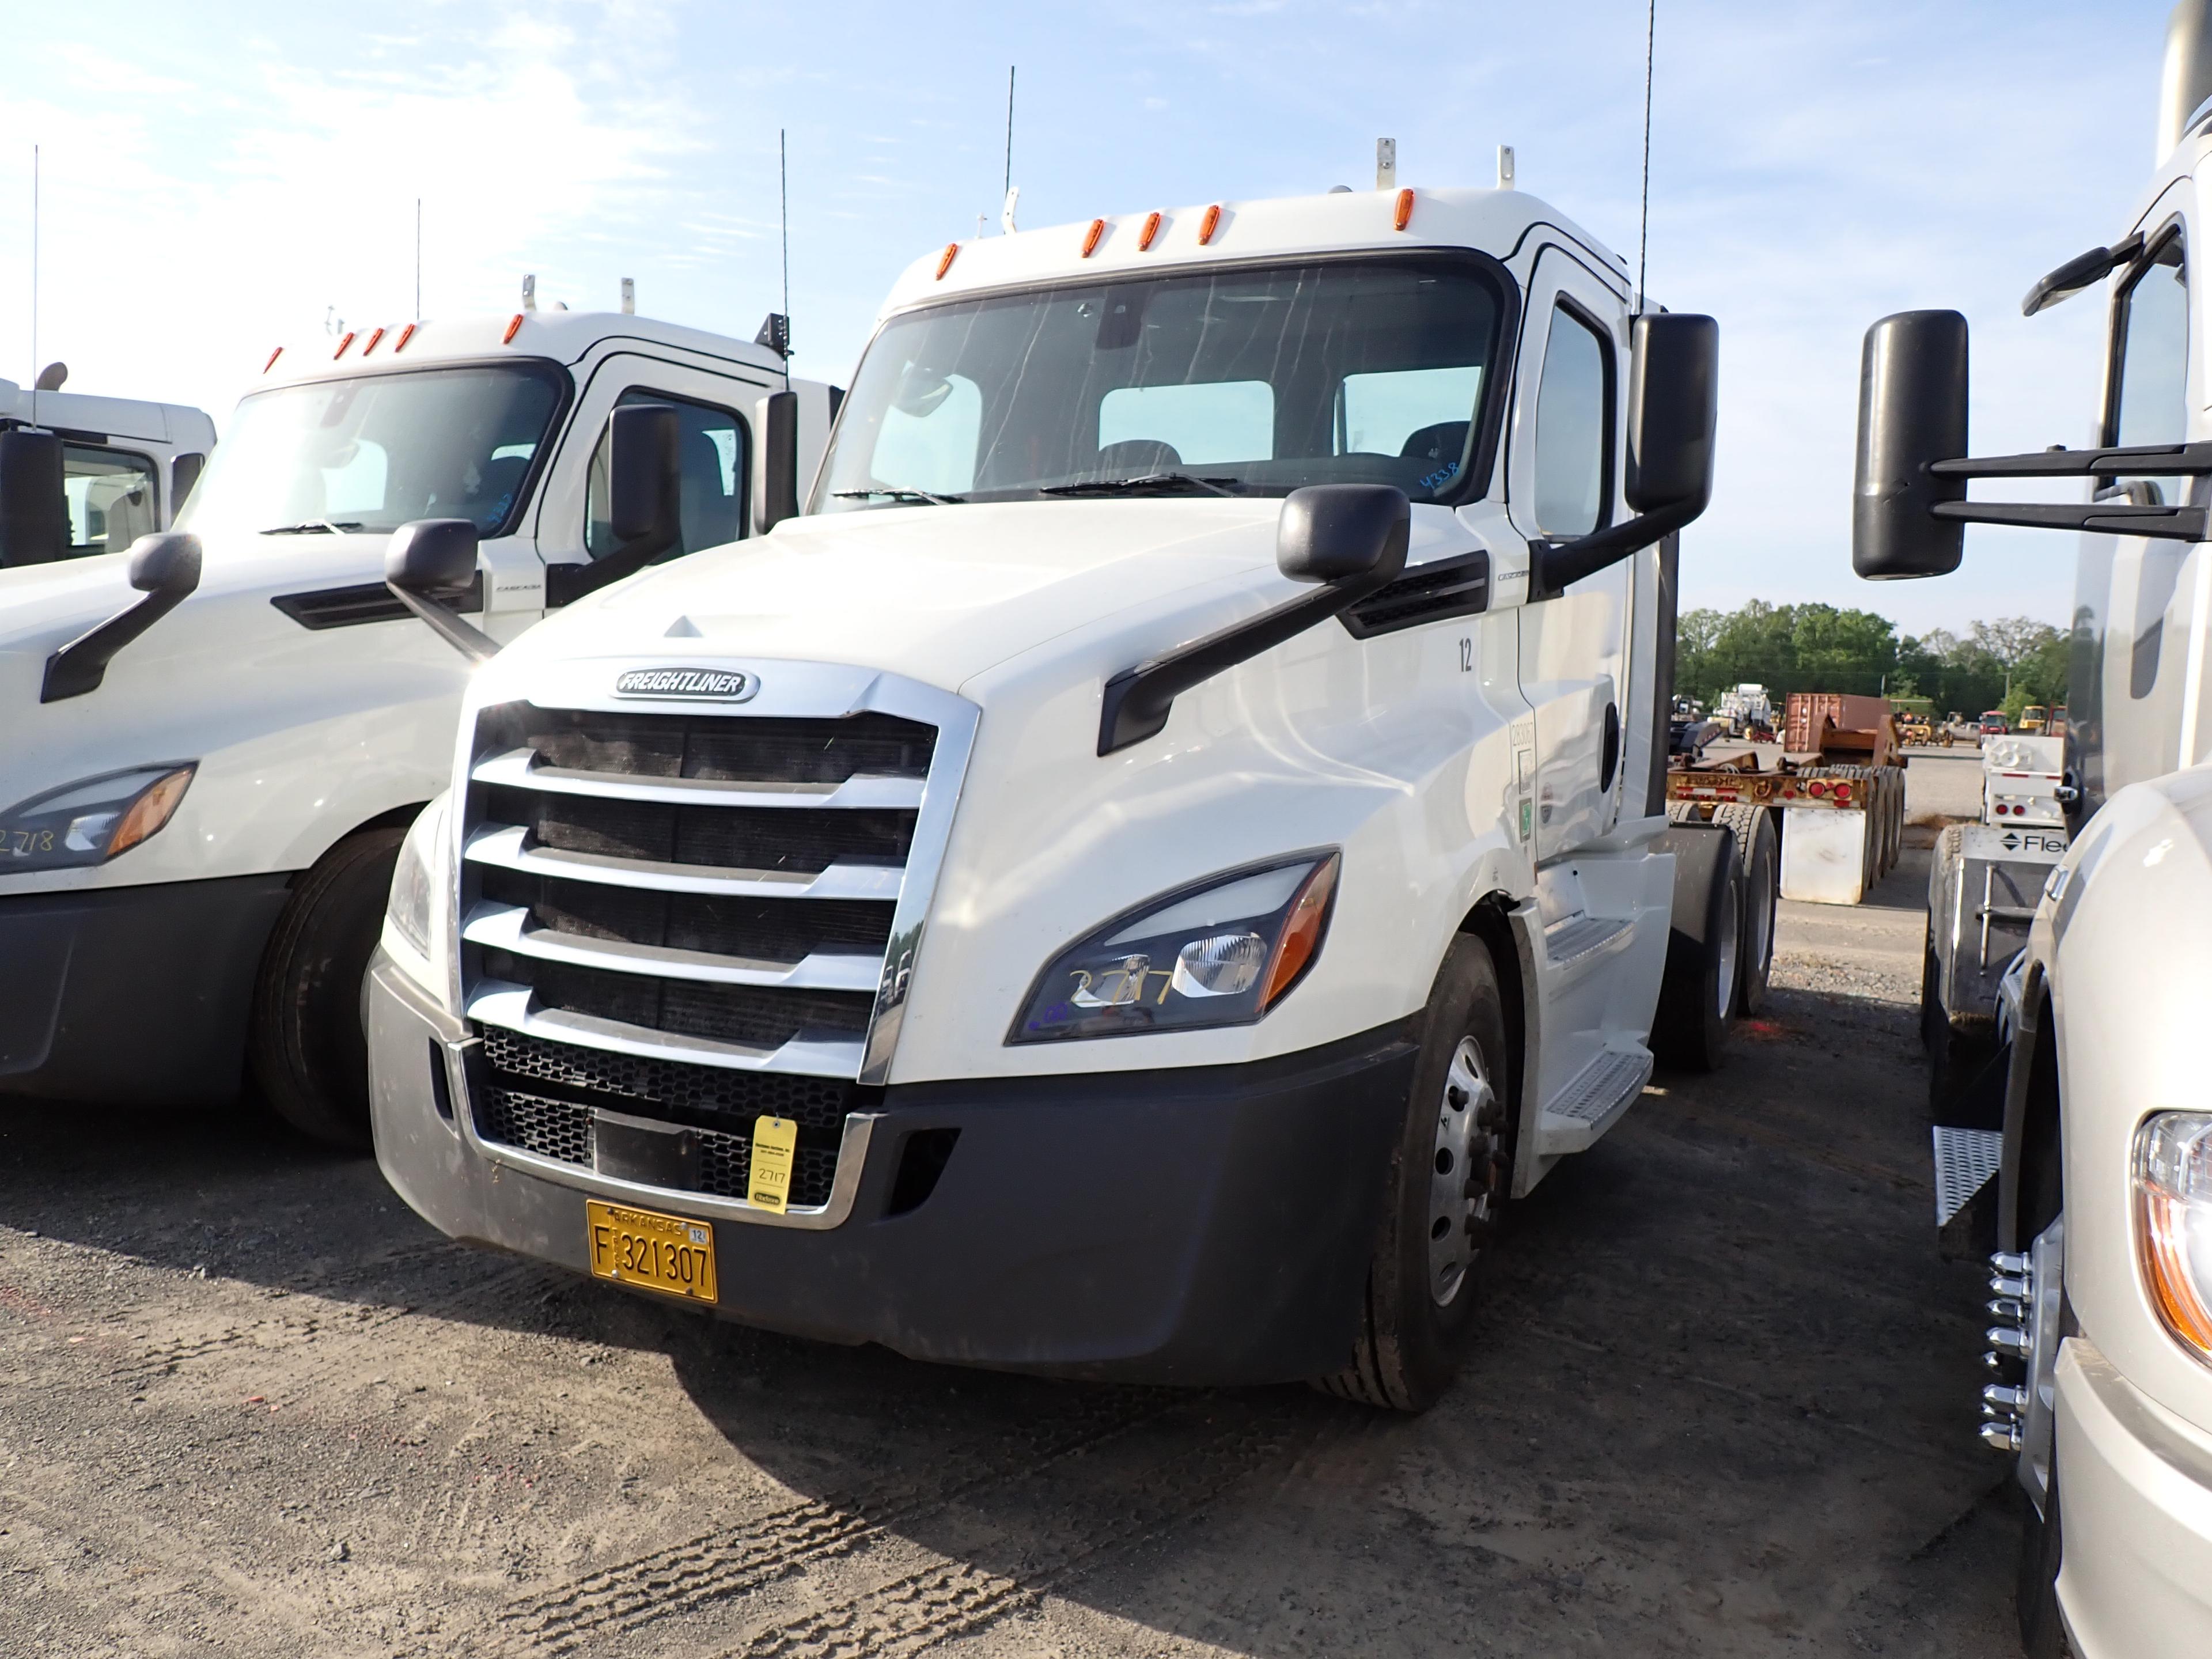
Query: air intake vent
{"points": [[1457, 586]]}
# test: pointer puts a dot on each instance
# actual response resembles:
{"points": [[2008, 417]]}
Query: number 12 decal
{"points": [[1466, 654]]}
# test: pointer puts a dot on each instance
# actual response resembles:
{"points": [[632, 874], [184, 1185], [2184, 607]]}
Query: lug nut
{"points": [[2018, 1289], [2000, 1398], [2008, 1340], [2003, 1437], [2006, 1262], [1996, 1362], [2005, 1308]]}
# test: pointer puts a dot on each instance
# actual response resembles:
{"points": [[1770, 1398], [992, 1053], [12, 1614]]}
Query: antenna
{"points": [[1009, 127], [1643, 214], [783, 213], [35, 285], [418, 258]]}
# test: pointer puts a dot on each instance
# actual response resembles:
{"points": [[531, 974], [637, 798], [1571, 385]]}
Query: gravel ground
{"points": [[1723, 1404]]}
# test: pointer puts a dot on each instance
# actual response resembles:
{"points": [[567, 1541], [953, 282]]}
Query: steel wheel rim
{"points": [[1460, 1196], [1725, 950], [1761, 899]]}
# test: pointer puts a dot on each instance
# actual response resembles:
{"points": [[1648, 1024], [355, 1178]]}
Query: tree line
{"points": [[2007, 664]]}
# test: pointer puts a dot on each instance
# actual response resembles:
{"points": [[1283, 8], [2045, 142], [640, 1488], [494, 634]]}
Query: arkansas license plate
{"points": [[643, 1247]]}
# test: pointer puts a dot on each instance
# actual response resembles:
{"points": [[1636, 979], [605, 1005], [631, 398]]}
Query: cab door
{"points": [[716, 417], [1563, 481]]}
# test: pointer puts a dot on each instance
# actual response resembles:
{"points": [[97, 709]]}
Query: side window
{"points": [[112, 498], [2150, 402], [711, 456], [1573, 430]]}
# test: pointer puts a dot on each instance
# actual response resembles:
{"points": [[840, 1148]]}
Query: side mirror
{"points": [[1674, 407], [184, 473], [1351, 539], [429, 564], [165, 568], [644, 501], [1913, 413], [779, 492], [1329, 532], [33, 512]]}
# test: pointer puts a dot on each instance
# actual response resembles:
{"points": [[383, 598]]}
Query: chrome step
{"points": [[1965, 1160]]}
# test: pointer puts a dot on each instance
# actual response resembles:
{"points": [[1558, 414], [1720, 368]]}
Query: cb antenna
{"points": [[1006, 201], [34, 285], [783, 215], [1643, 216]]}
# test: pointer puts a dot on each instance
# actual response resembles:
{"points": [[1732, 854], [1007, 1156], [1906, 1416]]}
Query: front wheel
{"points": [[306, 1049], [1447, 1182]]}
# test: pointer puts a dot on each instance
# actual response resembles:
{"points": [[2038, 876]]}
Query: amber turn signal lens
{"points": [[151, 811], [2174, 1224], [1302, 934]]}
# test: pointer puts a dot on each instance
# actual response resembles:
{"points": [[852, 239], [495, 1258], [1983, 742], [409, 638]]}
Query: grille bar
{"points": [[508, 928], [509, 1006], [506, 846], [518, 768]]}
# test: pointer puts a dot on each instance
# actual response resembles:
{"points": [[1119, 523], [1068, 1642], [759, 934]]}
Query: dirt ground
{"points": [[1724, 1404]]}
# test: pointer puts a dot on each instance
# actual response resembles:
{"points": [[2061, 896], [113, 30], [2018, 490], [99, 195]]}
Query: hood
{"points": [[938, 594]]}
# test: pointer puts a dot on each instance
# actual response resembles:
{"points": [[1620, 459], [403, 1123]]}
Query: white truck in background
{"points": [[2098, 1149], [1133, 880], [109, 470], [205, 780]]}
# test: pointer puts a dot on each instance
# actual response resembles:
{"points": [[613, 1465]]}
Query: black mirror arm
{"points": [[470, 642], [81, 665], [2134, 461], [1557, 566], [567, 583], [1137, 700], [2179, 524]]}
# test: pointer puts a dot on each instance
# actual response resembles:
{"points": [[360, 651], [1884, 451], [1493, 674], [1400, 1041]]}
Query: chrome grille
{"points": [[685, 916]]}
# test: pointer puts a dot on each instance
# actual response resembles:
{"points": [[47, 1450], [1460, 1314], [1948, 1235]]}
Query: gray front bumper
{"points": [[1210, 1224]]}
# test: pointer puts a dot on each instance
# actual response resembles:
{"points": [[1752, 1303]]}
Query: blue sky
{"points": [[217, 177]]}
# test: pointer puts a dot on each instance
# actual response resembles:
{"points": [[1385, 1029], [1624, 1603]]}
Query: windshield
{"points": [[371, 453], [1240, 380]]}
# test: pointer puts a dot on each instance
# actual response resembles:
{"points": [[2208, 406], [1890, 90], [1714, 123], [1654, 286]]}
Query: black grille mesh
{"points": [[741, 749], [771, 930], [674, 1090], [726, 1164], [551, 1129], [791, 840]]}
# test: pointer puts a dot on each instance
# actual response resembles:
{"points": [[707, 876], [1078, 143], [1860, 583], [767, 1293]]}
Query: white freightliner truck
{"points": [[1131, 881], [203, 783], [94, 474], [2100, 1155]]}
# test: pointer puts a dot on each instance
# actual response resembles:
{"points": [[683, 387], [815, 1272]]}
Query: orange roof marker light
{"points": [[945, 260], [405, 335], [273, 356], [513, 328], [1209, 224], [1091, 237], [372, 339], [1404, 215], [342, 344], [1151, 229]]}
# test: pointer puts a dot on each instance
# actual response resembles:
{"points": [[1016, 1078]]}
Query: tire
{"points": [[306, 1048], [1432, 1246], [1697, 995], [1760, 848], [2035, 1592]]}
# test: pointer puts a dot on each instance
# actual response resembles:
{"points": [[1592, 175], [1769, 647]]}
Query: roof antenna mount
{"points": [[1386, 164]]}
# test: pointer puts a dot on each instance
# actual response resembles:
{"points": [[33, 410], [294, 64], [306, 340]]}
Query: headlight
{"points": [[2173, 1223], [1220, 953], [414, 886], [91, 821]]}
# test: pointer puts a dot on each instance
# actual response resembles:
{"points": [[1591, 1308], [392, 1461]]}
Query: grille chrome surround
{"points": [[798, 696]]}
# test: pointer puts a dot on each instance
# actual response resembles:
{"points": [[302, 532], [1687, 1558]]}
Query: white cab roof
{"points": [[563, 335], [122, 419], [1497, 221]]}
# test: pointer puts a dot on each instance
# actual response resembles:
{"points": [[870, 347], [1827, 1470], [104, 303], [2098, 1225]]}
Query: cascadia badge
{"points": [[709, 684]]}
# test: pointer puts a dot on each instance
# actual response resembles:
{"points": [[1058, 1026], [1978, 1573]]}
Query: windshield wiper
{"points": [[314, 527], [1151, 483], [897, 494]]}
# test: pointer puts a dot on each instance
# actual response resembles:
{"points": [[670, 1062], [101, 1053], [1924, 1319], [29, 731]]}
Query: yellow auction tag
{"points": [[776, 1144]]}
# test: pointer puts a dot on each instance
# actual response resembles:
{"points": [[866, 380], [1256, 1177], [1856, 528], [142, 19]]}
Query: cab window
{"points": [[1574, 401], [2150, 402], [112, 498], [713, 464]]}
